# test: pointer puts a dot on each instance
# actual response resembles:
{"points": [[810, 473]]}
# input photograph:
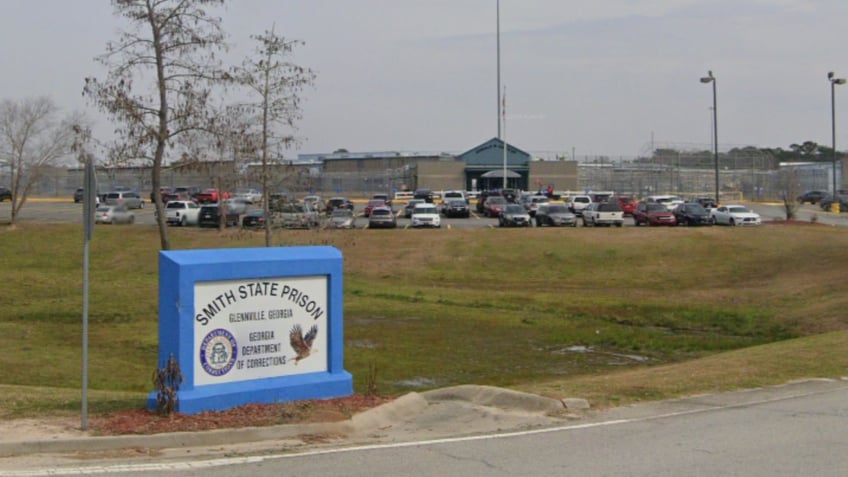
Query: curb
{"points": [[391, 413], [173, 440]]}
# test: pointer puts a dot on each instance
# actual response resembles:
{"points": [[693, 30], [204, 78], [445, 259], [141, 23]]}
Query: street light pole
{"points": [[711, 79], [833, 83]]}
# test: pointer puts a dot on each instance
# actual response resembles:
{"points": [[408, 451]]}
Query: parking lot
{"points": [[66, 211]]}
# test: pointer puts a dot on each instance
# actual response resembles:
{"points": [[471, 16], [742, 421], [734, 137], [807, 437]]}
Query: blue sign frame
{"points": [[182, 273]]}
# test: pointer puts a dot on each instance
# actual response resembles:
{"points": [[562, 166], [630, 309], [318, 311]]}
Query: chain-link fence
{"points": [[753, 178]]}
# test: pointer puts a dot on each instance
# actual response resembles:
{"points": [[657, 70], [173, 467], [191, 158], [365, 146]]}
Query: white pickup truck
{"points": [[182, 212]]}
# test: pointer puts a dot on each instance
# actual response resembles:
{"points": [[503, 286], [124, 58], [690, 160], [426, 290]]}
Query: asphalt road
{"points": [[756, 436], [68, 211], [800, 429]]}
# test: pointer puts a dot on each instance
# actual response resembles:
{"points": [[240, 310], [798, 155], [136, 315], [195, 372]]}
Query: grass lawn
{"points": [[613, 315]]}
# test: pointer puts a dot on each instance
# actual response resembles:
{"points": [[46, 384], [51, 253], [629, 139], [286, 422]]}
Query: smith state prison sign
{"points": [[252, 325]]}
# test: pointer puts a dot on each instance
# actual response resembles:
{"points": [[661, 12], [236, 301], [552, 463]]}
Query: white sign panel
{"points": [[256, 329]]}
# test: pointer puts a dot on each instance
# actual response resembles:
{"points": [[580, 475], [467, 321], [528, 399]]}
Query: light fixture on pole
{"points": [[711, 79], [833, 83]]}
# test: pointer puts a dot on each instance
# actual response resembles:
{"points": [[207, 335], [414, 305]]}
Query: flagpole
{"points": [[504, 138], [499, 65]]}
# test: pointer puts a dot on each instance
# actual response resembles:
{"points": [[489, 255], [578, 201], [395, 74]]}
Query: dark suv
{"points": [[425, 194], [812, 196], [5, 194], [210, 216], [334, 203]]}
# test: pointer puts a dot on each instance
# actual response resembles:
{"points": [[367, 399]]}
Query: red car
{"points": [[652, 213], [627, 203], [494, 205], [372, 204], [208, 196]]}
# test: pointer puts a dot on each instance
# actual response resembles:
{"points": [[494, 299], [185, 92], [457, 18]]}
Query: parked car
{"points": [[382, 217], [294, 215], [456, 208], [494, 205], [314, 203], [410, 206], [334, 203], [555, 215], [601, 196], [188, 191], [827, 202], [514, 215], [385, 198], [531, 203], [252, 196], [454, 194], [113, 214], [6, 194], [652, 213], [254, 218], [511, 195], [237, 205], [163, 191], [173, 196], [691, 213], [603, 213], [426, 215], [481, 199], [577, 203], [211, 195], [812, 196], [182, 212], [734, 215], [211, 215], [669, 201], [342, 219], [372, 204], [425, 194], [130, 199], [706, 202], [626, 202], [79, 195]]}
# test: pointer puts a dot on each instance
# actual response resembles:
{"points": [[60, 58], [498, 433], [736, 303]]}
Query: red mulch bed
{"points": [[142, 421]]}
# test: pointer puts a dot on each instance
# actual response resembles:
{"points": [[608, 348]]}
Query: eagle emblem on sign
{"points": [[300, 343]]}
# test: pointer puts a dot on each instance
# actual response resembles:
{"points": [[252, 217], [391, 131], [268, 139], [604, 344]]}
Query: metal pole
{"points": [[833, 131], [89, 206], [504, 142], [715, 139], [499, 66]]}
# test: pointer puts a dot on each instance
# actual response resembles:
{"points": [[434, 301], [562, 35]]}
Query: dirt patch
{"points": [[142, 421]]}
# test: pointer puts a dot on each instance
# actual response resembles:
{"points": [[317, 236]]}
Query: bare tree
{"points": [[32, 139], [789, 188], [174, 43], [276, 84]]}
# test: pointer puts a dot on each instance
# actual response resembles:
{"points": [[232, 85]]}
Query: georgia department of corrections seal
{"points": [[218, 352]]}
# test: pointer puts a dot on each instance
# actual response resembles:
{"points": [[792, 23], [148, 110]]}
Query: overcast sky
{"points": [[598, 78]]}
